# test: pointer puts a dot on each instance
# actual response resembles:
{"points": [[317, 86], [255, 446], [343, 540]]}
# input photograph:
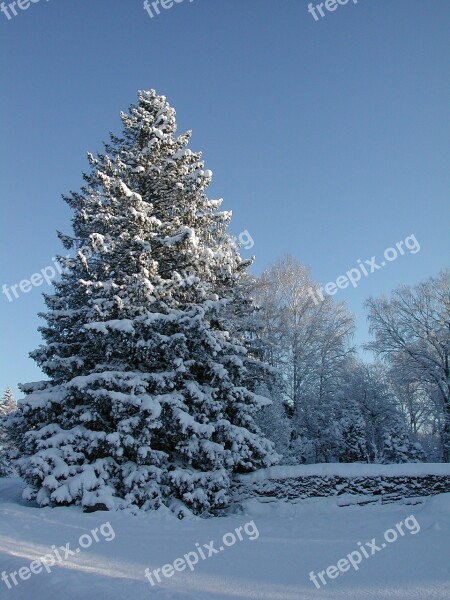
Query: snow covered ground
{"points": [[348, 470], [294, 539]]}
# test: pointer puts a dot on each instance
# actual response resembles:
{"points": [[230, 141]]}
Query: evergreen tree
{"points": [[7, 406], [7, 403], [275, 423], [151, 394], [352, 433], [397, 446]]}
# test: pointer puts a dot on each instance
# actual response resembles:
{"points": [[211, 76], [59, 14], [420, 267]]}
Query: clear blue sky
{"points": [[328, 139]]}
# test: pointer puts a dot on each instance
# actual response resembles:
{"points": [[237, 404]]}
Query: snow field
{"points": [[294, 539]]}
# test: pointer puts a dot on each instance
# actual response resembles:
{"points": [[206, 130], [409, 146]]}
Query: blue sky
{"points": [[328, 139]]}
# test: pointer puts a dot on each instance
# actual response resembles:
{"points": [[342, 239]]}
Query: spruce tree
{"points": [[7, 403], [150, 399], [7, 406], [397, 447]]}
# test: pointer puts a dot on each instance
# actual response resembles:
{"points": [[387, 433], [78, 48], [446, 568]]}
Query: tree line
{"points": [[329, 404]]}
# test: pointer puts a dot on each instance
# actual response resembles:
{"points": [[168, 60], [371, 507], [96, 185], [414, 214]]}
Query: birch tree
{"points": [[412, 333]]}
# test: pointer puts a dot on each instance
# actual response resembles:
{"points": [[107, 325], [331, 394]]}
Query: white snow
{"points": [[128, 193], [124, 325], [294, 539], [182, 152], [349, 470]]}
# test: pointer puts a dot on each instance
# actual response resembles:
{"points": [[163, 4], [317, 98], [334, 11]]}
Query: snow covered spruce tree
{"points": [[7, 406], [150, 400]]}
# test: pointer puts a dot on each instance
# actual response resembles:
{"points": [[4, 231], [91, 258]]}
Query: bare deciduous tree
{"points": [[412, 333], [308, 343]]}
